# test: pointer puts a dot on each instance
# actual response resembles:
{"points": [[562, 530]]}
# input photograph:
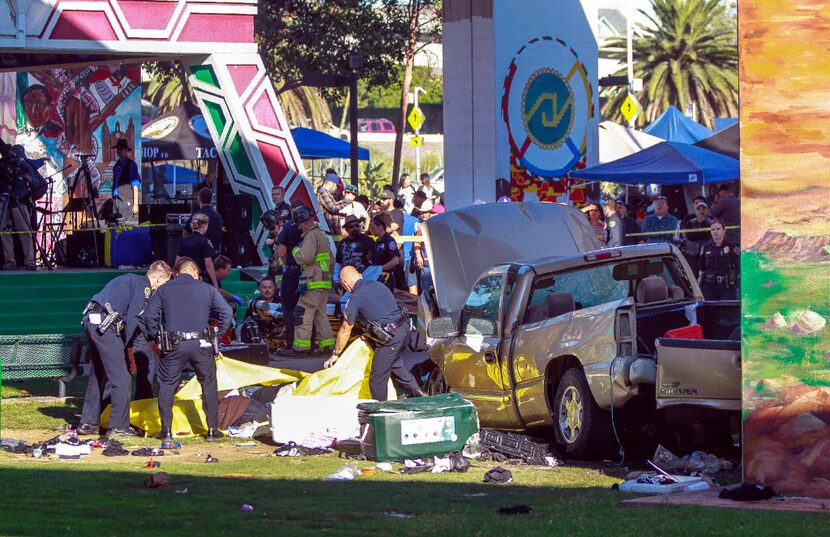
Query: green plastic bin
{"points": [[413, 428]]}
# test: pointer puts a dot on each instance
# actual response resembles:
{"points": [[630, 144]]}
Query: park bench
{"points": [[43, 356]]}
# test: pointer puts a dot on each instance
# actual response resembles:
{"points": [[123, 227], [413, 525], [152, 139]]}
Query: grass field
{"points": [[101, 496]]}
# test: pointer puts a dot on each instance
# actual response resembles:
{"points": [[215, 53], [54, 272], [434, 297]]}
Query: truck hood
{"points": [[464, 243]]}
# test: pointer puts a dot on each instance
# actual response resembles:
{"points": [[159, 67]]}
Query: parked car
{"points": [[539, 328], [381, 125]]}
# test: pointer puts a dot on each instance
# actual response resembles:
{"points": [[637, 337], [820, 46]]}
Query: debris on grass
{"points": [[398, 514], [210, 458], [247, 508], [520, 509], [158, 479], [498, 475]]}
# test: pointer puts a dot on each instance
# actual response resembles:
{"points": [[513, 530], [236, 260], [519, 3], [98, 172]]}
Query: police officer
{"points": [[315, 257], [289, 238], [719, 266], [385, 253], [372, 303], [110, 323], [187, 304]]}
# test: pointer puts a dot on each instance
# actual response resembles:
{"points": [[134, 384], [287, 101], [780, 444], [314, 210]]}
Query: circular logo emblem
{"points": [[159, 128], [547, 109], [546, 106]]}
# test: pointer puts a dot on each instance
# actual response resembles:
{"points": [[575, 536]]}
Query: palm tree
{"points": [[685, 54]]}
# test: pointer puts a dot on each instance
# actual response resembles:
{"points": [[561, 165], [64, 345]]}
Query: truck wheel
{"points": [[436, 383], [581, 427]]}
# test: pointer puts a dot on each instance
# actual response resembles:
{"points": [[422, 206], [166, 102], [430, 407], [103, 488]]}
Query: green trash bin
{"points": [[413, 428]]}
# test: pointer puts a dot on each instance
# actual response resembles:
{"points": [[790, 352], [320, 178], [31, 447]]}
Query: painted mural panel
{"points": [[66, 116], [548, 103], [785, 174]]}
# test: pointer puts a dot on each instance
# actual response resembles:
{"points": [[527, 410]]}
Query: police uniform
{"points": [[719, 271], [198, 248], [315, 257], [127, 295], [290, 237], [146, 364], [372, 302], [385, 249], [187, 305]]}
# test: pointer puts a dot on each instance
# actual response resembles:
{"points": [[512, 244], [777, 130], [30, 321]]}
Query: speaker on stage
{"points": [[165, 241], [237, 212], [240, 248], [81, 249]]}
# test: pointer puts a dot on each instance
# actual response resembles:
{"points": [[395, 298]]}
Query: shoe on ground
{"points": [[165, 434], [31, 267], [9, 266], [129, 431], [288, 351], [214, 434], [87, 428]]}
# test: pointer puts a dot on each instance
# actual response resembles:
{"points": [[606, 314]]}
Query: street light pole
{"points": [[353, 128]]}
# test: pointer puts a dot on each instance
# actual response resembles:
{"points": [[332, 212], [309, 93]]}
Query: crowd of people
{"points": [[708, 237]]}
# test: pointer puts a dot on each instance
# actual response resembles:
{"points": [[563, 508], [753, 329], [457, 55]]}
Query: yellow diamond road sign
{"points": [[416, 141], [415, 119], [630, 108]]}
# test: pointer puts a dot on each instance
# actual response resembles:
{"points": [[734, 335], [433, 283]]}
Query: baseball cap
{"points": [[438, 209], [351, 188], [701, 204], [661, 197], [619, 201], [386, 195], [351, 218], [331, 176], [301, 214]]}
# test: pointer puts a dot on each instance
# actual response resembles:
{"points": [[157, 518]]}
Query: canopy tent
{"points": [[667, 163], [722, 123], [726, 142], [673, 126], [318, 145], [616, 141], [180, 134]]}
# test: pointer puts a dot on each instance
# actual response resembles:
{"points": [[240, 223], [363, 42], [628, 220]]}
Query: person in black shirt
{"points": [[289, 238], [354, 250], [127, 295], [187, 305], [693, 241], [719, 266], [278, 197], [197, 246], [385, 253], [629, 223], [214, 230], [372, 303]]}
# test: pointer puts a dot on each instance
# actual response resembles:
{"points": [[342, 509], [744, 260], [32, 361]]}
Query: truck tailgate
{"points": [[699, 372]]}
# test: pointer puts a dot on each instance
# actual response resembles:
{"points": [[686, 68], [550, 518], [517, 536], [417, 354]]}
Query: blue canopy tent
{"points": [[318, 145], [673, 126], [667, 163]]}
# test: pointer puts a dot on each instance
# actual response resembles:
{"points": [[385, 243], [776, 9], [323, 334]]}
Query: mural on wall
{"points": [[785, 155], [8, 107], [74, 114], [546, 105]]}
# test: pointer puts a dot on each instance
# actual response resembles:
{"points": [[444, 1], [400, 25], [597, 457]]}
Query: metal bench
{"points": [[49, 356]]}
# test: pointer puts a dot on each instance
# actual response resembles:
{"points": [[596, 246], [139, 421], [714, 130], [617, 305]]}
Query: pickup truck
{"points": [[539, 329]]}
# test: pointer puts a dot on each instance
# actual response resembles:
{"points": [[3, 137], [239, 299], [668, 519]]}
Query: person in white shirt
{"points": [[406, 191], [354, 208]]}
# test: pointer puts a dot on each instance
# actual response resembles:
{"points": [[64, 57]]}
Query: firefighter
{"points": [[315, 257]]}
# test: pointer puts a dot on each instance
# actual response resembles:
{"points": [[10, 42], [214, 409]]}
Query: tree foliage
{"points": [[389, 96], [686, 53]]}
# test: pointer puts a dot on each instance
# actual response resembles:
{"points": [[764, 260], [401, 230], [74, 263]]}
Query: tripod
{"points": [[6, 206], [82, 201]]}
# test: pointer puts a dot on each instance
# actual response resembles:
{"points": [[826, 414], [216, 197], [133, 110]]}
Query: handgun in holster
{"points": [[165, 341], [113, 318], [212, 333]]}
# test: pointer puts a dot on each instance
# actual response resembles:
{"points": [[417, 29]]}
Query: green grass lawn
{"points": [[100, 496]]}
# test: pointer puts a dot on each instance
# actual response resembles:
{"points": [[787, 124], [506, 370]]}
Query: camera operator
{"points": [[21, 185]]}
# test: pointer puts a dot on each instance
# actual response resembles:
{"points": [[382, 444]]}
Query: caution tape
{"points": [[673, 231], [118, 229]]}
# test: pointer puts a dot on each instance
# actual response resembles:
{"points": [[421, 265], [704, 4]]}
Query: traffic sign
{"points": [[416, 141], [630, 108], [416, 118]]}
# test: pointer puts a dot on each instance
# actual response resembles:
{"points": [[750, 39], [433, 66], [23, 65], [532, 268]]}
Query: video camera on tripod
{"points": [[18, 175]]}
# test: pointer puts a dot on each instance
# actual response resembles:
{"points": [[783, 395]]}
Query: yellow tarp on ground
{"points": [[349, 377]]}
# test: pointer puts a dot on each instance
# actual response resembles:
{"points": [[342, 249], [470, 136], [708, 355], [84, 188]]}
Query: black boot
{"points": [[165, 434], [87, 428], [214, 434]]}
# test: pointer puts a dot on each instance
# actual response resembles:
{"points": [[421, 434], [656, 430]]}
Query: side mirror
{"points": [[441, 327]]}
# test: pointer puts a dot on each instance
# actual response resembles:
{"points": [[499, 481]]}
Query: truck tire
{"points": [[581, 427], [436, 383]]}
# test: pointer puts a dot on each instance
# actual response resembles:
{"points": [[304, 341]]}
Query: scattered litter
{"points": [[520, 509], [158, 479], [345, 473], [148, 452], [384, 467], [459, 462], [171, 444], [472, 448], [553, 461], [247, 508], [499, 445], [746, 492], [239, 476], [498, 475], [697, 461], [398, 514], [440, 465], [210, 459], [152, 464], [115, 448], [245, 444], [367, 472], [652, 483], [246, 430], [415, 466], [292, 449], [475, 495], [12, 445], [182, 491]]}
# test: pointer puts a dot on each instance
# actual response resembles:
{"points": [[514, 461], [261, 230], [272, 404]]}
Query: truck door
{"points": [[472, 367]]}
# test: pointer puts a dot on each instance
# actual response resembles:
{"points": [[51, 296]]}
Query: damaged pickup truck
{"points": [[538, 328]]}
